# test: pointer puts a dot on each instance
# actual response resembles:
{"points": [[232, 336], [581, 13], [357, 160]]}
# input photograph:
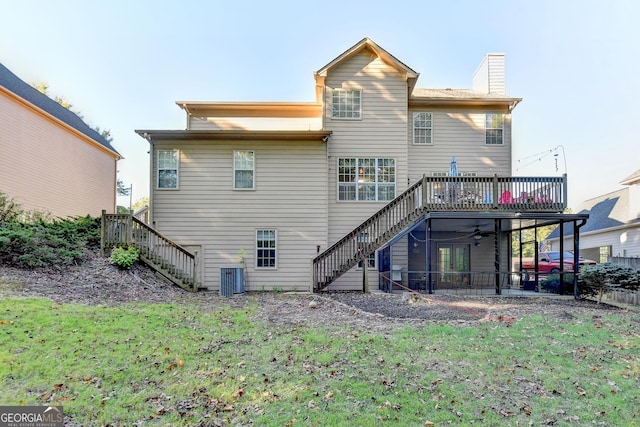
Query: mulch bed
{"points": [[96, 282]]}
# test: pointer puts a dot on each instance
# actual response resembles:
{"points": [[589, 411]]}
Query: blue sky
{"points": [[124, 63]]}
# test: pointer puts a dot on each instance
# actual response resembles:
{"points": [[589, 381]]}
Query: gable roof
{"points": [[367, 43], [634, 178], [606, 211], [18, 87]]}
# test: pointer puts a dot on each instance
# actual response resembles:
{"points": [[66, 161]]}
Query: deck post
{"points": [[497, 244], [194, 273], [365, 279], [424, 191], [565, 187], [130, 229]]}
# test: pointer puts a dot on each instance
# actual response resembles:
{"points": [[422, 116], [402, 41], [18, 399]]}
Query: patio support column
{"points": [[576, 258], [497, 245], [427, 235]]}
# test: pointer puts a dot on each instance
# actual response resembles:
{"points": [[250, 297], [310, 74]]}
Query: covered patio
{"points": [[468, 253]]}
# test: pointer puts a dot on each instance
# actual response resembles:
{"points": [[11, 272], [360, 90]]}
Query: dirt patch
{"points": [[96, 282]]}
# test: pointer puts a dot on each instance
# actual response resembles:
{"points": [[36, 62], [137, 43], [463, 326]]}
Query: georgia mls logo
{"points": [[31, 416]]}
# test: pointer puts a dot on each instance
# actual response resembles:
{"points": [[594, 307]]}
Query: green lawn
{"points": [[184, 365]]}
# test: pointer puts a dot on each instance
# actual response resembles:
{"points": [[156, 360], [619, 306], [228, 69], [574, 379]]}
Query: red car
{"points": [[549, 262]]}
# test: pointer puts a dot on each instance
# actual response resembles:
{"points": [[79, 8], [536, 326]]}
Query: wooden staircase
{"points": [[438, 194], [166, 257], [369, 236]]}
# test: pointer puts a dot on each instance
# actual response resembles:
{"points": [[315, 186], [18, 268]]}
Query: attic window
{"points": [[346, 104]]}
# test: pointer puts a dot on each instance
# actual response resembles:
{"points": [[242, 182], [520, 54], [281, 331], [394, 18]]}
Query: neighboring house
{"points": [[411, 183], [614, 224], [50, 160]]}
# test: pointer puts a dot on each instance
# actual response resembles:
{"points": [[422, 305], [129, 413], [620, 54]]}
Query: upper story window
{"points": [[346, 104], [366, 179], [168, 169], [243, 170], [494, 128], [422, 127], [266, 255]]}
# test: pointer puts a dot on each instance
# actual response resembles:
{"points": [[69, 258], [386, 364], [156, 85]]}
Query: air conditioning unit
{"points": [[231, 281]]}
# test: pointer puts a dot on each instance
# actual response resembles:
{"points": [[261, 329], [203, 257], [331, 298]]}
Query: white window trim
{"points": [[253, 181], [488, 128], [425, 128], [275, 266], [364, 238], [158, 169], [333, 116], [376, 182]]}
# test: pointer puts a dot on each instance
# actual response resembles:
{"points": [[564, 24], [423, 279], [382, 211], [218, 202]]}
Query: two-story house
{"points": [[50, 160], [614, 223], [377, 174]]}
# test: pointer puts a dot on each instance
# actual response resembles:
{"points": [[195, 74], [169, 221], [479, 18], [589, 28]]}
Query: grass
{"points": [[182, 365]]}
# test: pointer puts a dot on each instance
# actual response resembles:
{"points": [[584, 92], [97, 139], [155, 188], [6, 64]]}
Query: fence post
{"points": [[102, 231]]}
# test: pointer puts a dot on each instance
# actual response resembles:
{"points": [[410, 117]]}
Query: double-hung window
{"points": [[494, 128], [266, 256], [243, 170], [346, 104], [364, 179], [168, 169], [422, 127]]}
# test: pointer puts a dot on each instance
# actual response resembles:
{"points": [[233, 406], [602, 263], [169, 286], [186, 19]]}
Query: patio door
{"points": [[453, 264]]}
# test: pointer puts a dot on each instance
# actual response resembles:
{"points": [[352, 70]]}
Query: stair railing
{"points": [[161, 253]]}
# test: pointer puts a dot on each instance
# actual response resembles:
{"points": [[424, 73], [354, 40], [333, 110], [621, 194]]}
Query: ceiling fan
{"points": [[477, 234]]}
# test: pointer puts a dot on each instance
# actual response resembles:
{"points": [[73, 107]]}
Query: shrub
{"points": [[596, 280], [124, 258], [9, 210], [41, 243], [551, 283]]}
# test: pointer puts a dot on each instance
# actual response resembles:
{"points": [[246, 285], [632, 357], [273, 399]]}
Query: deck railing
{"points": [[451, 194], [161, 253]]}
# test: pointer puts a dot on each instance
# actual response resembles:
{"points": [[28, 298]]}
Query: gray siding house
{"points": [[613, 229]]}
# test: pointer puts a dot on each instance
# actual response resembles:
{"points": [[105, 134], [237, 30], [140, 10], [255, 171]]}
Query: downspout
{"points": [[151, 181], [576, 255]]}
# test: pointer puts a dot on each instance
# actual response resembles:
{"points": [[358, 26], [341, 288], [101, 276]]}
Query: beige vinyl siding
{"points": [[254, 123], [496, 74], [459, 134], [380, 133], [489, 77], [624, 242], [290, 197], [48, 167]]}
